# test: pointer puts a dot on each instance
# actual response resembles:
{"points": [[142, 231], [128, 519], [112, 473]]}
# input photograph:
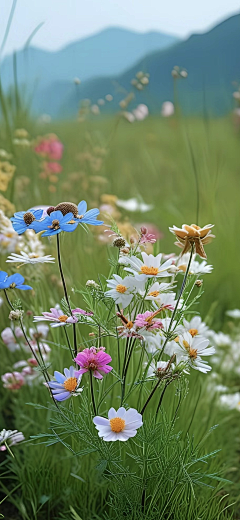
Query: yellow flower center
{"points": [[176, 339], [154, 294], [70, 384], [182, 267], [63, 318], [193, 353], [149, 270], [193, 332], [117, 424], [121, 288], [129, 324], [186, 344]]}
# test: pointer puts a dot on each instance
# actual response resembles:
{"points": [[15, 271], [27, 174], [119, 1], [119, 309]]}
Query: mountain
{"points": [[211, 59], [108, 52]]}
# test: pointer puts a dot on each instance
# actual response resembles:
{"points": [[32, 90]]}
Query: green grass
{"points": [[156, 161]]}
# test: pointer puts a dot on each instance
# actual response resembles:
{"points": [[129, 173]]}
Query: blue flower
{"points": [[15, 281], [65, 385], [55, 223], [87, 217], [23, 220]]}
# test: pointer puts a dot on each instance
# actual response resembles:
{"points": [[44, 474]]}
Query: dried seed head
{"points": [[50, 210], [119, 242], [28, 218], [16, 315], [67, 207], [198, 283]]}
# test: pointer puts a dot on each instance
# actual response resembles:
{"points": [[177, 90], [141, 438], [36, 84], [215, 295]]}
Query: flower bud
{"points": [[198, 283]]}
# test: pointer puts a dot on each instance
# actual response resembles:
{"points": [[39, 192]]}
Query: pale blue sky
{"points": [[68, 20]]}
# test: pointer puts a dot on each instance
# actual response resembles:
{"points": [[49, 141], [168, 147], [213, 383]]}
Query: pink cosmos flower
{"points": [[50, 147], [9, 338], [57, 317], [147, 237], [146, 320], [95, 360], [81, 311], [12, 380], [52, 167]]}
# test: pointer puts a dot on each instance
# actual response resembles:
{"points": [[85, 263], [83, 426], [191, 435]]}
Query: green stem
{"points": [[92, 393], [150, 396], [66, 294]]}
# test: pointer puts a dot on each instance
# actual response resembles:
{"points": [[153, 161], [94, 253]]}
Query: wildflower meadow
{"points": [[119, 310]]}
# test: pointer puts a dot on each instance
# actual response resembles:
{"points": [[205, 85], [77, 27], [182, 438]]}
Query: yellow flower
{"points": [[6, 206], [193, 235]]}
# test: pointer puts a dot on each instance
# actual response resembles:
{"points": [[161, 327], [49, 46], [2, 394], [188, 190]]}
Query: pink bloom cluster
{"points": [[50, 147], [13, 380], [147, 321], [95, 360], [146, 237]]}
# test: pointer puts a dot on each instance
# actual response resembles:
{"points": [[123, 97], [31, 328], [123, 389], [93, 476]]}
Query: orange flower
{"points": [[193, 235]]}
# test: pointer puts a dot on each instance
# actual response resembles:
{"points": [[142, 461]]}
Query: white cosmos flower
{"points": [[195, 326], [235, 313], [30, 258], [10, 437], [158, 368], [149, 267], [220, 339], [134, 205], [231, 401], [120, 425], [122, 290], [195, 267], [189, 350]]}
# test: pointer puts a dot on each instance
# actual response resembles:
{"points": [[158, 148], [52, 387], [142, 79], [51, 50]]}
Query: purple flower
{"points": [[57, 317], [65, 385]]}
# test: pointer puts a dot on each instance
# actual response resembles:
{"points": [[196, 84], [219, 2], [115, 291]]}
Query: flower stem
{"points": [[66, 294], [92, 393], [178, 300], [150, 396]]}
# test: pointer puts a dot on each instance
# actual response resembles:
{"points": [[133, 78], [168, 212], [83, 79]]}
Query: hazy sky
{"points": [[68, 20]]}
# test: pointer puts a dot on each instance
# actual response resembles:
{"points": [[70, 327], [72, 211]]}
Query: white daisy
{"points": [[220, 339], [30, 258], [189, 350], [195, 267], [149, 267], [235, 313], [231, 401], [195, 326], [120, 425], [122, 290]]}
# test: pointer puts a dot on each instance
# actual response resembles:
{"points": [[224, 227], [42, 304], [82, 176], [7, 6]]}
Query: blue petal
{"points": [[19, 214], [16, 278], [60, 378], [38, 213], [55, 385], [69, 227], [63, 396], [3, 276], [82, 207], [56, 215], [92, 222], [24, 287], [92, 213], [67, 218], [19, 226], [40, 226], [51, 232]]}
